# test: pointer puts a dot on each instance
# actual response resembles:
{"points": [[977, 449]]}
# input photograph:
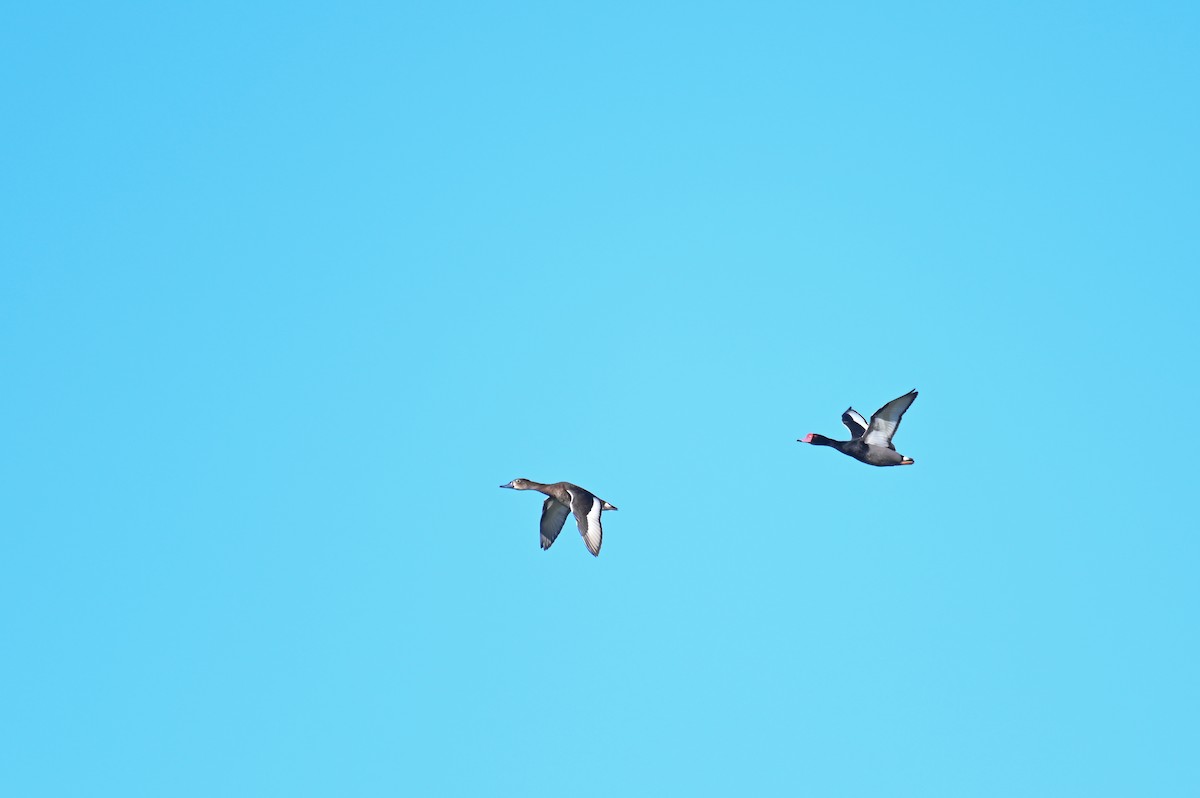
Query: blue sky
{"points": [[288, 290]]}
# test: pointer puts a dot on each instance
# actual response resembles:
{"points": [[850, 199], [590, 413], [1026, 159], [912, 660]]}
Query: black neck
{"points": [[821, 440]]}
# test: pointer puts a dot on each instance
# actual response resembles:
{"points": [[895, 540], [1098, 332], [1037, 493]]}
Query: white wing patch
{"points": [[594, 535], [880, 434], [588, 518], [854, 422], [886, 420]]}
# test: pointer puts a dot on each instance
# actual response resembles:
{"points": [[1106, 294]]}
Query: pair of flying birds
{"points": [[870, 442]]}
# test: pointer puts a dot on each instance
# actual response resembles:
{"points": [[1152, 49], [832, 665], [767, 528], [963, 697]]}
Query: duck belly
{"points": [[882, 456]]}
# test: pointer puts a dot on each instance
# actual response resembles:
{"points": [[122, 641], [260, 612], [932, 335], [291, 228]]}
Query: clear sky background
{"points": [[287, 290]]}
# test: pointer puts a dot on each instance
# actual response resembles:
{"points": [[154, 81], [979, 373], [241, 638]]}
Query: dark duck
{"points": [[871, 442]]}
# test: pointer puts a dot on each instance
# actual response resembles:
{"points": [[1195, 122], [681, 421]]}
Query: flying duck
{"points": [[871, 442], [563, 498]]}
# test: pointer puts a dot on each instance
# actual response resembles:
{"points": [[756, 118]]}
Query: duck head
{"points": [[517, 484]]}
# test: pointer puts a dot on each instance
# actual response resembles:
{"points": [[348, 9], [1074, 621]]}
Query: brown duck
{"points": [[563, 498]]}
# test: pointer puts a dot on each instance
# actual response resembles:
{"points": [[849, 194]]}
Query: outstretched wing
{"points": [[554, 513], [587, 508], [854, 422], [886, 421]]}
